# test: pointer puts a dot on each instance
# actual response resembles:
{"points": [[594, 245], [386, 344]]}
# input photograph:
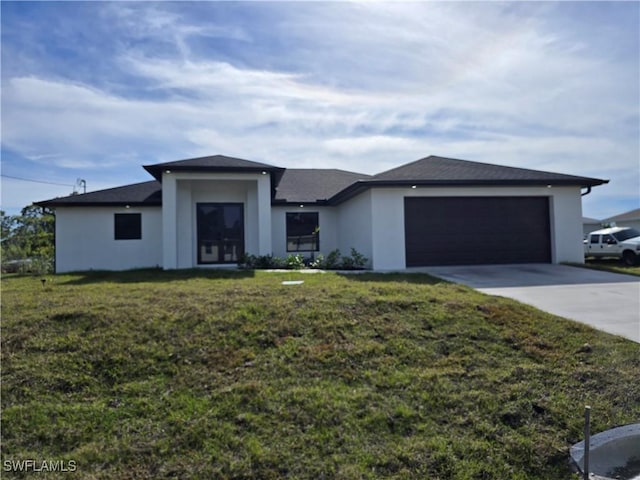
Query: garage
{"points": [[476, 230]]}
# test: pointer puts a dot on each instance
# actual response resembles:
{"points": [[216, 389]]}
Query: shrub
{"points": [[260, 262], [247, 261], [317, 262], [358, 259], [295, 262], [333, 260]]}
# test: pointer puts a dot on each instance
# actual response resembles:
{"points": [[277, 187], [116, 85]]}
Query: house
{"points": [[626, 219], [208, 211], [590, 225]]}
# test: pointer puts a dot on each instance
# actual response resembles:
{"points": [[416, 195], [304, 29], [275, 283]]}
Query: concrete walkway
{"points": [[607, 301]]}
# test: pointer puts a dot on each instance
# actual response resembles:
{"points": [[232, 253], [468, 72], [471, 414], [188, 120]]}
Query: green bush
{"points": [[333, 261], [317, 262], [260, 262], [358, 260], [28, 241], [295, 262]]}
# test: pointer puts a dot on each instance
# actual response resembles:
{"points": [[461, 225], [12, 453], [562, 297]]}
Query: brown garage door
{"points": [[476, 230]]}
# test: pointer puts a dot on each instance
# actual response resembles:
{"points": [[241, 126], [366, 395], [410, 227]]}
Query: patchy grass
{"points": [[207, 374], [610, 265]]}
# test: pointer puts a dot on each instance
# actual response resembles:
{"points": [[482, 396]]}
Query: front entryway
{"points": [[220, 232]]}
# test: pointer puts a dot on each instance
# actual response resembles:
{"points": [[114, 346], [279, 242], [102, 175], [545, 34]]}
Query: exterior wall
{"points": [[183, 190], [566, 225], [355, 226], [372, 223], [588, 227], [628, 223], [85, 239], [387, 225], [327, 217], [388, 248]]}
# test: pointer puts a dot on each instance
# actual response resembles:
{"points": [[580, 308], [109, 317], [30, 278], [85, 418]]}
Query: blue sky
{"points": [[94, 90]]}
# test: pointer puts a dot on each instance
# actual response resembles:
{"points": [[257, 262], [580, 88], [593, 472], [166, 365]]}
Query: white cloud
{"points": [[366, 87]]}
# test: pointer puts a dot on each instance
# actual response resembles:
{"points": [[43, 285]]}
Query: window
{"points": [[128, 226], [303, 232], [623, 235], [594, 239], [220, 232]]}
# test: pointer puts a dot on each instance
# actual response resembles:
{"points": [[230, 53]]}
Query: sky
{"points": [[95, 90]]}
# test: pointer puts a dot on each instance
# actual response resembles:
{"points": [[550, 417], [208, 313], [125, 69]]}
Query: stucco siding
{"points": [[85, 239], [566, 225], [388, 250], [354, 226], [180, 235], [628, 223], [371, 222], [388, 242]]}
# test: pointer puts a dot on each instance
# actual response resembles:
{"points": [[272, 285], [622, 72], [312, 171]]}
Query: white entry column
{"points": [[169, 222], [264, 215]]}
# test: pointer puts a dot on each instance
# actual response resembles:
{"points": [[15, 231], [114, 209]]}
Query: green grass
{"points": [[207, 375], [611, 265]]}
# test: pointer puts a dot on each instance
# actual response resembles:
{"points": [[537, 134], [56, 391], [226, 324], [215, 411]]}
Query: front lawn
{"points": [[205, 374], [611, 265]]}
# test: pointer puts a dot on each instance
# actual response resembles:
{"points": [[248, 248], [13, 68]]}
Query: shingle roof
{"points": [[214, 163], [138, 194], [626, 216], [441, 170], [313, 185], [329, 186]]}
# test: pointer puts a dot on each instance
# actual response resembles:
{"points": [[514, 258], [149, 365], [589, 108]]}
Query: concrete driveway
{"points": [[607, 301]]}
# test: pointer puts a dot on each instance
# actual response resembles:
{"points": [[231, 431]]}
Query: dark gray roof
{"points": [[331, 186], [442, 171], [626, 216], [435, 169], [214, 163], [138, 194], [313, 185]]}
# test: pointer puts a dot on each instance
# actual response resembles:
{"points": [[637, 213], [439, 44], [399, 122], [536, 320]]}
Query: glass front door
{"points": [[220, 232]]}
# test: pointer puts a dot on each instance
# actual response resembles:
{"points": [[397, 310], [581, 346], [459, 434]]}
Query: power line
{"points": [[37, 181]]}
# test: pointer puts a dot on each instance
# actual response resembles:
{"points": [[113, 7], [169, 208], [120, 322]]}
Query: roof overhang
{"points": [[362, 185], [157, 170], [58, 202]]}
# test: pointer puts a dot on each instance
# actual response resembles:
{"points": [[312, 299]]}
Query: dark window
{"points": [[594, 239], [220, 232], [623, 235], [128, 226], [303, 232]]}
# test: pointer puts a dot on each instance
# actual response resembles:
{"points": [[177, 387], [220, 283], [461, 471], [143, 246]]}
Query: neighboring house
{"points": [[434, 211], [590, 225], [627, 219]]}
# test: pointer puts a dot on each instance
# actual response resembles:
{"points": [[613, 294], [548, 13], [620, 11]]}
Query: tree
{"points": [[29, 237]]}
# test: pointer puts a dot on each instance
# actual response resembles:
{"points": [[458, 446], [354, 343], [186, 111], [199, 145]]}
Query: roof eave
{"points": [[157, 170], [54, 203], [304, 203], [362, 185]]}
